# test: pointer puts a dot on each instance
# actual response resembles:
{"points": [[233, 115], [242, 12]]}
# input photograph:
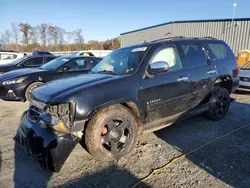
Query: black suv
{"points": [[132, 90]]}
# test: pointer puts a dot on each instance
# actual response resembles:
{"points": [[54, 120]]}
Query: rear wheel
{"points": [[111, 133], [30, 88], [219, 104]]}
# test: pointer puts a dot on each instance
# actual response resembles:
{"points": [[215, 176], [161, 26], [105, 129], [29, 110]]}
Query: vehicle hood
{"points": [[6, 67], [244, 73], [50, 90], [19, 73]]}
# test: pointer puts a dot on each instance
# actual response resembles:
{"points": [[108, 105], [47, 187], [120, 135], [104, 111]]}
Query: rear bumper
{"points": [[244, 86], [49, 150]]}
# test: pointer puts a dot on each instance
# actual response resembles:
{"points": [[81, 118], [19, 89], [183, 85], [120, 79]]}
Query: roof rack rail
{"points": [[167, 38], [209, 37]]}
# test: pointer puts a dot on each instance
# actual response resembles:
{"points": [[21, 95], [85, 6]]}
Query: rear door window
{"points": [[37, 61], [194, 55]]}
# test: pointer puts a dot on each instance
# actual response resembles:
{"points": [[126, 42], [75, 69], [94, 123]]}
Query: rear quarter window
{"points": [[221, 51]]}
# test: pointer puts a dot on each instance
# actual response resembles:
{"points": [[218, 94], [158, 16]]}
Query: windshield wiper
{"points": [[107, 71]]}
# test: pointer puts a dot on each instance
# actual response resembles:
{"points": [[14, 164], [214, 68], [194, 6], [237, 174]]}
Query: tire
{"points": [[112, 127], [30, 89], [219, 104]]}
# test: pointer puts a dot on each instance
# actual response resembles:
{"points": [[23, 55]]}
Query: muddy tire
{"points": [[219, 104], [111, 133], [30, 89]]}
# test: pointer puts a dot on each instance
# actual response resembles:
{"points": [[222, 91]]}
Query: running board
{"points": [[165, 122]]}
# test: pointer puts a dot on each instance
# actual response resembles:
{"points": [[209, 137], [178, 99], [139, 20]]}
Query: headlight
{"points": [[59, 128], [16, 81]]}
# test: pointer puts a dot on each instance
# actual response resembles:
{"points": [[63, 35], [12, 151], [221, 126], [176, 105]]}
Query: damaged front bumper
{"points": [[49, 150]]}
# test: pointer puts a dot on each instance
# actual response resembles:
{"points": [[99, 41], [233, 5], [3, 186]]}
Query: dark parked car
{"points": [[132, 90], [26, 62], [17, 85], [41, 53]]}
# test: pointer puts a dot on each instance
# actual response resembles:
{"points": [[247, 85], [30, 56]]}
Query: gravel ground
{"points": [[223, 163]]}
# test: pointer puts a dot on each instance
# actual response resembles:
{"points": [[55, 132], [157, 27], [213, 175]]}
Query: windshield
{"points": [[16, 61], [121, 61], [55, 63], [246, 66]]}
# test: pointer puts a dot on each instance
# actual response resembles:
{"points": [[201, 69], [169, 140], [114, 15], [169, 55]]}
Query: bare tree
{"points": [[79, 39], [69, 39], [56, 34], [15, 32], [43, 33], [34, 35], [61, 35], [6, 36], [25, 29]]}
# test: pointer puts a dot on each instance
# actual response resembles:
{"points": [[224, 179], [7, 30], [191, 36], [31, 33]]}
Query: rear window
{"points": [[221, 51]]}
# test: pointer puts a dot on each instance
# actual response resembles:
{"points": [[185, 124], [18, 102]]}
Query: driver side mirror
{"points": [[158, 67]]}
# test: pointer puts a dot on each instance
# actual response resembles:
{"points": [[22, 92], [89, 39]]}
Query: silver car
{"points": [[244, 77]]}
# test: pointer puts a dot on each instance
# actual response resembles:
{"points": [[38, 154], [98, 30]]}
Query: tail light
{"points": [[237, 71]]}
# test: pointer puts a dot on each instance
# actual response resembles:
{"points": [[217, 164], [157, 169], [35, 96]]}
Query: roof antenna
{"points": [[167, 33]]}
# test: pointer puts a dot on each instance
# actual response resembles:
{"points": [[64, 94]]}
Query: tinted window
{"points": [[50, 58], [96, 60], [220, 51], [87, 63], [72, 66], [19, 60], [79, 64], [194, 55], [34, 61], [169, 55], [55, 63]]}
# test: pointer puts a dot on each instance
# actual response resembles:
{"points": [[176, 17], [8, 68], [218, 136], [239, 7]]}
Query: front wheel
{"points": [[111, 133], [30, 88], [219, 104]]}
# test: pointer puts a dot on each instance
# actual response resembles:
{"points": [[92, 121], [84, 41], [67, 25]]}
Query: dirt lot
{"points": [[223, 163]]}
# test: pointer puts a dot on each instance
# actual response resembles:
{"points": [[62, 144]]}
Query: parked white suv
{"points": [[9, 56]]}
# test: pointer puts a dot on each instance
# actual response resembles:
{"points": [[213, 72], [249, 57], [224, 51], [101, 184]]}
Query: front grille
{"points": [[244, 79], [55, 113], [62, 111]]}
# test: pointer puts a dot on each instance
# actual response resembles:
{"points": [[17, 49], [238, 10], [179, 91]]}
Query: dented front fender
{"points": [[50, 150]]}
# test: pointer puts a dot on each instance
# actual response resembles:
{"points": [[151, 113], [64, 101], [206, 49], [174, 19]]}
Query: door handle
{"points": [[211, 72], [182, 79]]}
